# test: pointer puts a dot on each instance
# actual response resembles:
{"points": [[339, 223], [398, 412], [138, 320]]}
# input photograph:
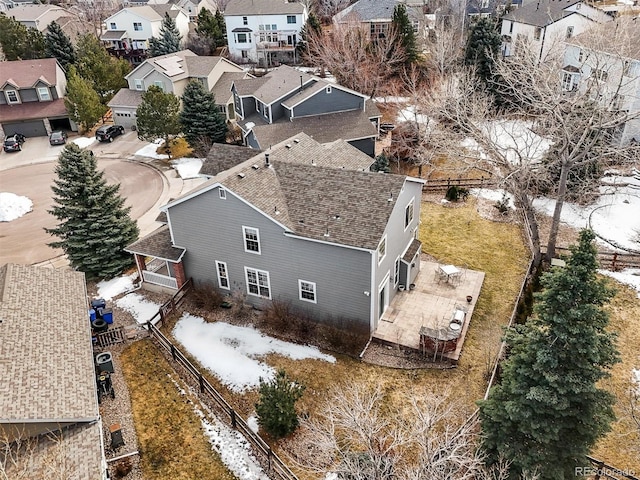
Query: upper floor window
{"points": [[242, 38], [222, 193], [580, 56], [44, 94], [382, 249], [484, 4], [537, 33], [112, 26], [328, 89], [568, 82], [569, 32], [251, 240], [160, 84], [12, 96], [138, 84], [408, 214], [378, 30], [137, 26], [601, 75], [245, 21], [307, 291], [291, 19]]}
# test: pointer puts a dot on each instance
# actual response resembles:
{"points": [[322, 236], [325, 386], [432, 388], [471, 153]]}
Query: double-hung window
{"points": [[257, 282], [382, 249], [137, 26], [291, 19], [307, 291], [251, 239], [223, 275], [44, 94], [408, 214], [12, 96]]}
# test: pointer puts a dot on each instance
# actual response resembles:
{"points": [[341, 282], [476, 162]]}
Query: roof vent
{"points": [[266, 159], [390, 199], [296, 140], [255, 167], [288, 145], [326, 232], [275, 209], [301, 221], [313, 162], [241, 175], [336, 217]]}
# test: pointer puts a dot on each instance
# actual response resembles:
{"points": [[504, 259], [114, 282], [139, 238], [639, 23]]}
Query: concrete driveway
{"points": [[30, 173]]}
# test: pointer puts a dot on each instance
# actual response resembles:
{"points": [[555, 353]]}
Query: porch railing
{"points": [[158, 279]]}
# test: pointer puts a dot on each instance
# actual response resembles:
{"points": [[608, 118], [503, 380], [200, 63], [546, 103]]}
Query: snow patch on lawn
{"points": [[493, 195], [252, 421], [84, 142], [142, 309], [231, 352], [187, 167], [628, 276], [108, 289], [13, 206], [150, 150]]}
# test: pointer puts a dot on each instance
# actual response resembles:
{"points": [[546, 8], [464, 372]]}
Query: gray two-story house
{"points": [[303, 223], [287, 101], [31, 98]]}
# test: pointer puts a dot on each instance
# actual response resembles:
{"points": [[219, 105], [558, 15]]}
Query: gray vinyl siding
{"points": [[322, 102], [366, 145], [210, 229], [277, 111], [249, 106], [252, 141], [398, 239]]}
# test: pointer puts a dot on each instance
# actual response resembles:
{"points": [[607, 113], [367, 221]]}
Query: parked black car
{"points": [[14, 142], [107, 133], [58, 138]]}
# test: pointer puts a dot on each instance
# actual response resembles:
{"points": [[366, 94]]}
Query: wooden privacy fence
{"points": [[275, 466], [168, 307], [613, 260], [601, 470], [439, 185]]}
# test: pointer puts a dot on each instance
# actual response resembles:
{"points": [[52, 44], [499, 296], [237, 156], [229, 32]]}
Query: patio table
{"points": [[450, 271]]}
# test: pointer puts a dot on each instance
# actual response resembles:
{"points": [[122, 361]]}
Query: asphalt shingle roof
{"points": [[541, 13], [222, 157], [157, 244], [368, 10], [274, 85], [26, 73], [619, 38], [222, 89], [126, 98], [262, 7]]}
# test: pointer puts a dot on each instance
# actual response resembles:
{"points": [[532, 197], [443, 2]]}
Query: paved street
{"points": [[30, 173]]}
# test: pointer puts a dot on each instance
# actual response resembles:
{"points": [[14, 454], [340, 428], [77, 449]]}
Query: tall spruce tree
{"points": [[548, 411], [158, 116], [202, 122], [19, 42], [276, 407], [94, 225], [311, 28], [402, 24], [59, 46], [169, 40], [482, 48]]}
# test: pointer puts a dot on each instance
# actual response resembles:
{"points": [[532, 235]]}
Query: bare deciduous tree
{"points": [[326, 9], [26, 458], [357, 62], [445, 45]]}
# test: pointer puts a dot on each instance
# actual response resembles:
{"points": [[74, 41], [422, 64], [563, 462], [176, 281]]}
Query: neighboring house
{"points": [[376, 16], [31, 98], [299, 223], [265, 32], [172, 73], [48, 391], [607, 61], [190, 7], [542, 26], [489, 8], [129, 30], [37, 16], [287, 101]]}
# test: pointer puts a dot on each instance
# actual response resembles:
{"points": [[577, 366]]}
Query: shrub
{"points": [[275, 409], [122, 468], [206, 296], [454, 193], [503, 204]]}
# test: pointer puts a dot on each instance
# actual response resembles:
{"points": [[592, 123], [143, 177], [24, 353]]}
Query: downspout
{"points": [[544, 34]]}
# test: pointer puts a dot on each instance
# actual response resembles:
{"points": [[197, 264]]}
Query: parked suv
{"points": [[14, 142], [106, 133]]}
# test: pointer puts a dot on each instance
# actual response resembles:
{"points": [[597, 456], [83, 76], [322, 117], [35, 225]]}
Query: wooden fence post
{"points": [[614, 261], [269, 454], [201, 382], [149, 327], [173, 351], [233, 419]]}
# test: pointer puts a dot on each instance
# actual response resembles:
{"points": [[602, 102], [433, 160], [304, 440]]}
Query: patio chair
{"points": [[439, 275]]}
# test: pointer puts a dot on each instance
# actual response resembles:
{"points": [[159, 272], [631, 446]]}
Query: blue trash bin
{"points": [[92, 315], [97, 303], [107, 315]]}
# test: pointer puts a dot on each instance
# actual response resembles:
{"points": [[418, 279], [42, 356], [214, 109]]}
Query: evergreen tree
{"points": [[211, 27], [82, 102], [311, 28], [403, 26], [158, 116], [275, 409], [222, 34], [482, 48], [19, 42], [94, 225], [59, 46], [548, 411], [201, 120], [169, 40], [381, 164], [104, 72]]}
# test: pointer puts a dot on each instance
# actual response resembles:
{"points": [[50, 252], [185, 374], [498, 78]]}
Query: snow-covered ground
{"points": [[13, 206], [232, 353], [150, 150], [84, 142], [187, 167]]}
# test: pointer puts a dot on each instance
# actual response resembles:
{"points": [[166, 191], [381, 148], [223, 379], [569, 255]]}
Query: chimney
{"points": [[266, 160]]}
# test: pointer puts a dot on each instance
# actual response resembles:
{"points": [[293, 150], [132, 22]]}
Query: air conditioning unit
{"points": [[104, 362]]}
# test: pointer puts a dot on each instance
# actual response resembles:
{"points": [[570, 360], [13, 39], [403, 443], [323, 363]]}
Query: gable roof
{"points": [[27, 73], [274, 85], [222, 89], [622, 38], [326, 201], [368, 10], [545, 12], [157, 244], [144, 11], [262, 7], [126, 97], [223, 156], [32, 12]]}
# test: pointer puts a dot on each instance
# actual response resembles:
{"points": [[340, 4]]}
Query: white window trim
{"points": [[222, 193], [244, 240], [257, 272], [226, 277], [315, 295], [6, 94], [384, 240], [137, 82], [411, 204], [159, 83], [328, 89], [40, 96]]}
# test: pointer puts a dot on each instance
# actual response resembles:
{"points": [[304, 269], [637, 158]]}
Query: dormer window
{"points": [[12, 96], [43, 94]]}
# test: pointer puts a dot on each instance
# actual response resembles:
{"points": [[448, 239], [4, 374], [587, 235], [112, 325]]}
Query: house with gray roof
{"points": [[287, 101], [48, 391], [542, 27], [172, 73], [265, 32], [301, 222]]}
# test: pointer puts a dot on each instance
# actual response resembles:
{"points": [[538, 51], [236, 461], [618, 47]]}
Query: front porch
{"points": [[433, 316]]}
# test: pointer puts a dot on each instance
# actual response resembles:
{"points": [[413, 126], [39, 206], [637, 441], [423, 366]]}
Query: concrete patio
{"points": [[432, 304]]}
